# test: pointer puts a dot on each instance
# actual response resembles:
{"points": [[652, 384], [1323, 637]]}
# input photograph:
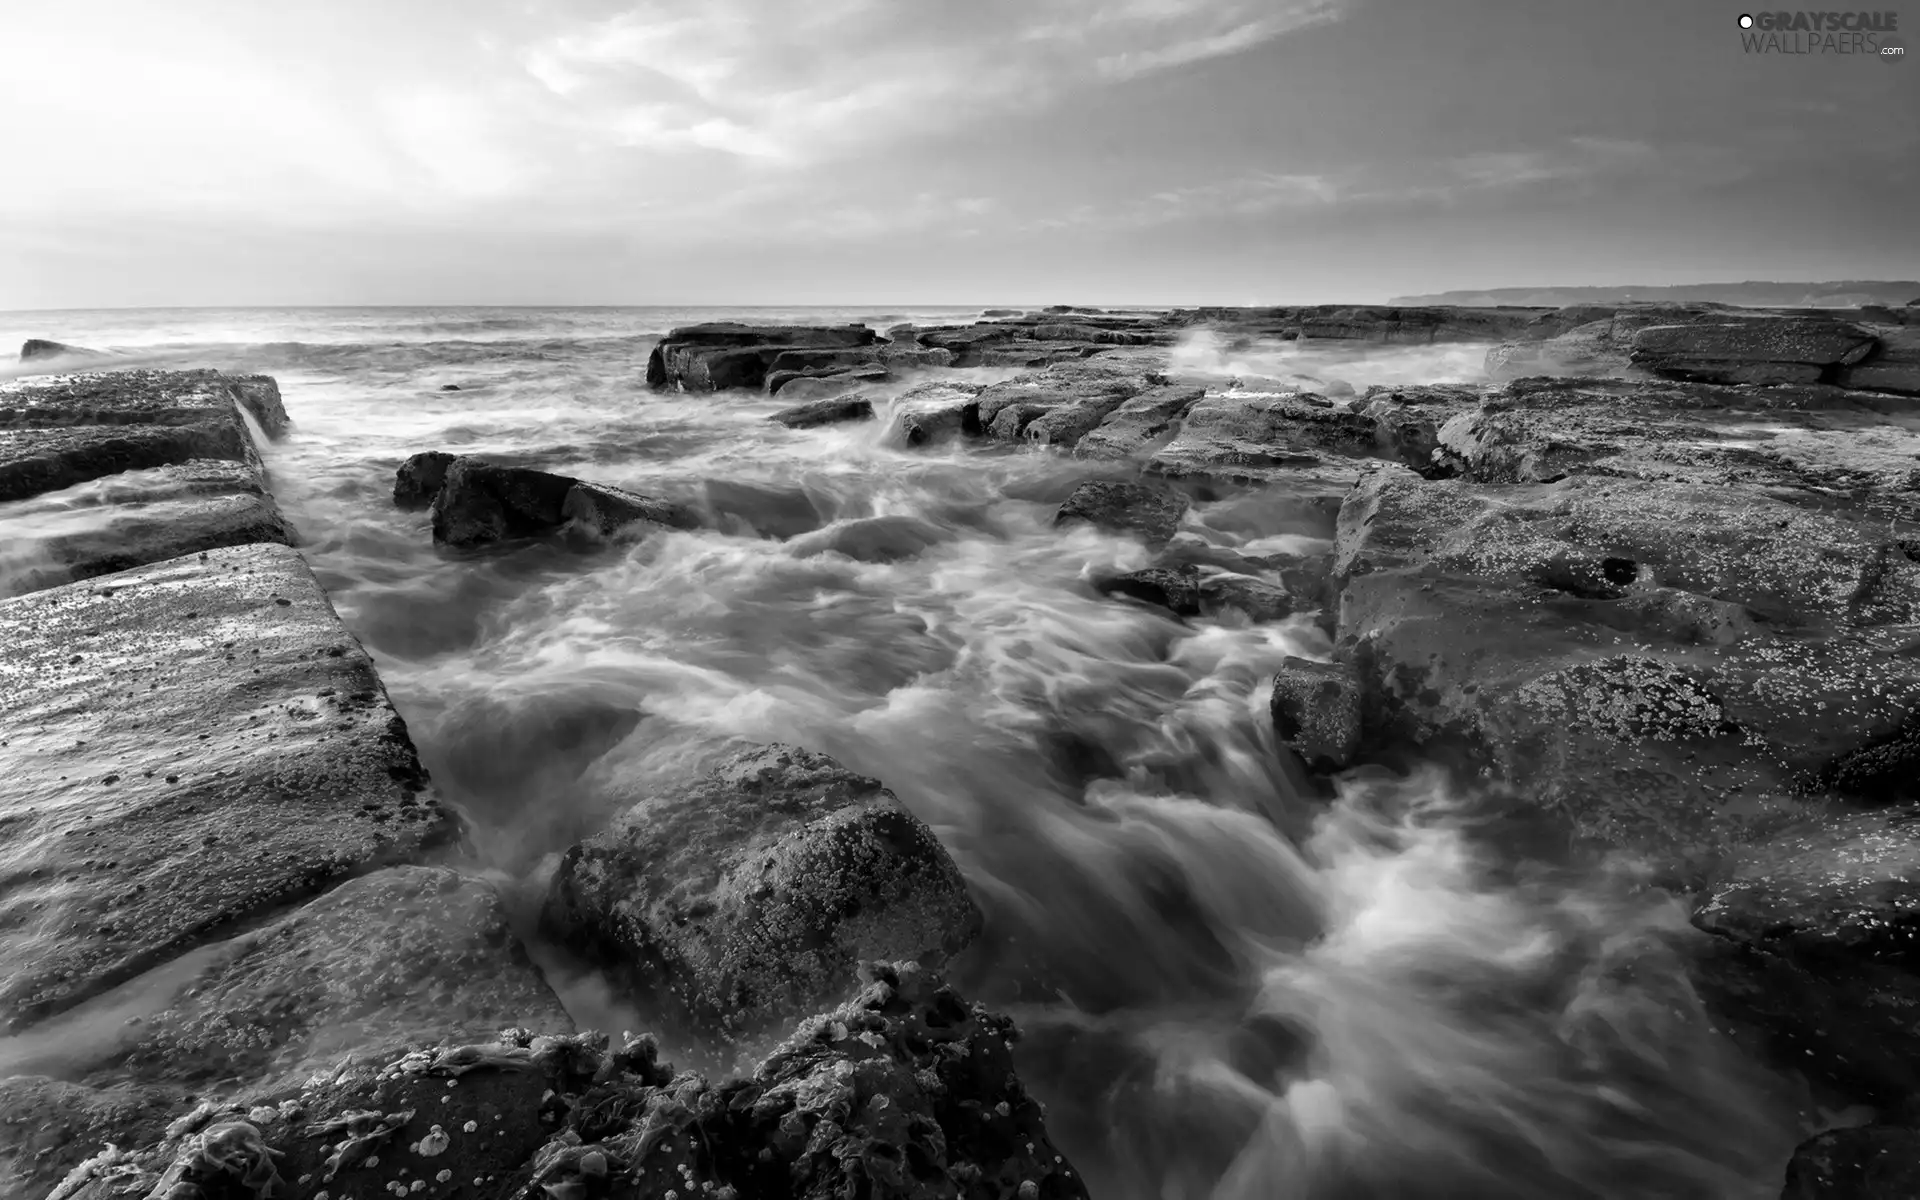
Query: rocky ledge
{"points": [[102, 471]]}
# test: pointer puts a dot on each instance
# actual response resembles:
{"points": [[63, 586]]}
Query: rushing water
{"points": [[1234, 983]]}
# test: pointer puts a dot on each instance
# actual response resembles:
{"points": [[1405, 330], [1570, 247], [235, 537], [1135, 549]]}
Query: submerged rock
{"points": [[1150, 512], [1190, 591], [748, 895]]}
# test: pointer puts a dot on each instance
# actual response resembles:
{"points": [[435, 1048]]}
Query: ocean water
{"points": [[1233, 982]]}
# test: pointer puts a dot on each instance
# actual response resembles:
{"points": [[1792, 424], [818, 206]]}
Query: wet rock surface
{"points": [[188, 745], [1875, 1162], [905, 1091], [831, 411], [717, 357], [479, 503], [103, 471], [748, 895], [1147, 511]]}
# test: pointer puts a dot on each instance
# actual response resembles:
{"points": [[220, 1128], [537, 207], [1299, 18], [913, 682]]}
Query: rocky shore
{"points": [[1658, 577]]}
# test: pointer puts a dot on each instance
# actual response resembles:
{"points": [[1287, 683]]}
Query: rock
{"points": [[133, 518], [1894, 366], [1189, 591], [1001, 312], [418, 480], [933, 413], [802, 387], [749, 895], [1135, 428], [1074, 398], [705, 358], [405, 955], [48, 1127], [1361, 322], [450, 387], [1872, 1162], [1149, 512], [823, 359], [1752, 350], [748, 508], [41, 350], [605, 511], [33, 461], [914, 358], [872, 539], [1665, 662], [906, 1091], [1317, 710], [479, 503], [831, 411], [1243, 439], [210, 744], [1818, 924]]}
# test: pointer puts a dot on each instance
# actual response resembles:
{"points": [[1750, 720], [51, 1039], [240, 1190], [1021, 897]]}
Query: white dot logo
{"points": [[1746, 21]]}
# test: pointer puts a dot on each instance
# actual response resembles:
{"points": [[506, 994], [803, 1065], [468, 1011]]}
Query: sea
{"points": [[1233, 981]]}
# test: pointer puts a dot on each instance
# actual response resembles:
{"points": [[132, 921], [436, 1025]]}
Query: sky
{"points": [[233, 152]]}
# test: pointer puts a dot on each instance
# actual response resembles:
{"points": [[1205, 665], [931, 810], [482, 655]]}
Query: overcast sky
{"points": [[930, 151]]}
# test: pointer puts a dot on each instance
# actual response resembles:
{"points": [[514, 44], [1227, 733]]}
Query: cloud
{"points": [[797, 83]]}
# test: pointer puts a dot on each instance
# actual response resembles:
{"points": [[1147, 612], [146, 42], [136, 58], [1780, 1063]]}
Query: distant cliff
{"points": [[1845, 293]]}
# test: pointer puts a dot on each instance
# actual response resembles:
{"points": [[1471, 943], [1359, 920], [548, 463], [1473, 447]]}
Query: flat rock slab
{"points": [[127, 520], [753, 893], [110, 470], [706, 358], [831, 411], [405, 955], [1752, 349], [187, 746]]}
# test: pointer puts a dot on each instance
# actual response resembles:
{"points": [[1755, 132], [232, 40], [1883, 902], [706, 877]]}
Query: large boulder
{"points": [[749, 895], [706, 358], [480, 503], [1752, 350], [1147, 511], [207, 744]]}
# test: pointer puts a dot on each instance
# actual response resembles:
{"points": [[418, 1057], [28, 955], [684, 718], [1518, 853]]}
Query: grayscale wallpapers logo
{"points": [[1868, 34]]}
